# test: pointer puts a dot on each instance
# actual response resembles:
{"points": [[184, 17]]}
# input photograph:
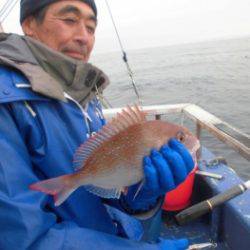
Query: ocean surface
{"points": [[214, 75]]}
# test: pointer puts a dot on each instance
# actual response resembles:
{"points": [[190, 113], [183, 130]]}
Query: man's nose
{"points": [[82, 34]]}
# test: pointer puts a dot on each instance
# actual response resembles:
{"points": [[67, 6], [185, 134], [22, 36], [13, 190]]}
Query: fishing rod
{"points": [[124, 55], [204, 207]]}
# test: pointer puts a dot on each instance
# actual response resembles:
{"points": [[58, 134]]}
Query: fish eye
{"points": [[180, 136]]}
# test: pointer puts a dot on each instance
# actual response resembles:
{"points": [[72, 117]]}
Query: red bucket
{"points": [[180, 197]]}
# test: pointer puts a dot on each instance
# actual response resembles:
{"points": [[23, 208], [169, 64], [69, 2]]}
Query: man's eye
{"points": [[90, 29], [70, 20]]}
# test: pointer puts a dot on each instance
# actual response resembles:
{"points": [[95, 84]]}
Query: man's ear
{"points": [[29, 26]]}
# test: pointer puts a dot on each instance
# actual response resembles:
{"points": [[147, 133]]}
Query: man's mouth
{"points": [[75, 55]]}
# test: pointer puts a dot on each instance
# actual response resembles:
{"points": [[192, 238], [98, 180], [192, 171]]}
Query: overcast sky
{"points": [[144, 23]]}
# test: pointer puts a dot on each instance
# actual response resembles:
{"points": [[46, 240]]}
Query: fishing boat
{"points": [[226, 226]]}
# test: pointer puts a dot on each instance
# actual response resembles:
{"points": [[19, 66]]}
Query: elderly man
{"points": [[48, 108]]}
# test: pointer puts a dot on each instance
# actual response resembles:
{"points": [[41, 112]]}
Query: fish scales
{"points": [[115, 161]]}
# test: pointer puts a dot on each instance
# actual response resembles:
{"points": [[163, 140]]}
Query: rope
{"points": [[7, 12], [5, 6], [104, 101], [124, 55]]}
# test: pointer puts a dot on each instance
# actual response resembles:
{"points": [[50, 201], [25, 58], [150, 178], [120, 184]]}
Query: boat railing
{"points": [[226, 133]]}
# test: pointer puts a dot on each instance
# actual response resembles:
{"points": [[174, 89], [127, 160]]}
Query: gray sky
{"points": [[143, 23]]}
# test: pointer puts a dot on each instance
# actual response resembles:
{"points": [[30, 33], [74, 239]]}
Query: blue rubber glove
{"points": [[164, 170], [180, 244]]}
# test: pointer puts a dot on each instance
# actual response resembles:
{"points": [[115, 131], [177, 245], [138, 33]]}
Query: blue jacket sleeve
{"points": [[25, 221]]}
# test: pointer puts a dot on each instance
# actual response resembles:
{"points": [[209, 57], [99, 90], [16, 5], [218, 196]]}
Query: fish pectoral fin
{"points": [[104, 193]]}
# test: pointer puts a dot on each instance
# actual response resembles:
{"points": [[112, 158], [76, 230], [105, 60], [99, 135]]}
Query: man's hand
{"points": [[164, 170]]}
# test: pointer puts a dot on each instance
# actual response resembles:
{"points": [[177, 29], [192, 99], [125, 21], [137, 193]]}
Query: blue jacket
{"points": [[38, 137]]}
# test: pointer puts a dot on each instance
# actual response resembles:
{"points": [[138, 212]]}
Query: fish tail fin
{"points": [[60, 187]]}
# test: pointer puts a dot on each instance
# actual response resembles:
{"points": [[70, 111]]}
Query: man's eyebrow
{"points": [[72, 9]]}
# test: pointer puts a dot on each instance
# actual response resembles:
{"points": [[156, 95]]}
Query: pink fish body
{"points": [[111, 160]]}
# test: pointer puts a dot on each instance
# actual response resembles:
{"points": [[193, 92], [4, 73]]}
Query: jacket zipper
{"points": [[86, 116]]}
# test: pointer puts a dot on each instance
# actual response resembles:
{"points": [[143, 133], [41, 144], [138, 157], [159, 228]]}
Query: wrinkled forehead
{"points": [[78, 8]]}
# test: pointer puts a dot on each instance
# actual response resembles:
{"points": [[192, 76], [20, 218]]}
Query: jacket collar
{"points": [[51, 73]]}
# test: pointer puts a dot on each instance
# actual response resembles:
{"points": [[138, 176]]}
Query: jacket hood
{"points": [[49, 72]]}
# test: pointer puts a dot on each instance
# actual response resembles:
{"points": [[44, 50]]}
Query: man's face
{"points": [[68, 27]]}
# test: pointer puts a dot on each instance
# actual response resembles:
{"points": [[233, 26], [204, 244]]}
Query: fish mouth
{"points": [[193, 145]]}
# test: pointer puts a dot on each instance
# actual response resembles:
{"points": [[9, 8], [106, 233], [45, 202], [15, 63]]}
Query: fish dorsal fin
{"points": [[85, 150], [129, 116], [126, 118]]}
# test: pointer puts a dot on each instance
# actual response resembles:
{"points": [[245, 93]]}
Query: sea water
{"points": [[214, 75]]}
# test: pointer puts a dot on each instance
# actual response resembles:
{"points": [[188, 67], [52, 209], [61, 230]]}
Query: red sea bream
{"points": [[111, 160]]}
